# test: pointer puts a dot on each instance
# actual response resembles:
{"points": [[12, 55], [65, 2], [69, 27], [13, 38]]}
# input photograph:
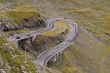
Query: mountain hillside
{"points": [[12, 60], [90, 53], [15, 21]]}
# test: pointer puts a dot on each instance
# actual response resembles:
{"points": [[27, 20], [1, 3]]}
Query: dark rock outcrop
{"points": [[8, 25]]}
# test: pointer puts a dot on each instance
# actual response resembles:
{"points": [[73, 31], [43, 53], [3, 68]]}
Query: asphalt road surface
{"points": [[47, 55], [21, 36]]}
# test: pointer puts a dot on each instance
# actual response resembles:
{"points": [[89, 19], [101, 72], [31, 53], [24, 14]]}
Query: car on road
{"points": [[65, 18], [28, 35], [18, 37]]}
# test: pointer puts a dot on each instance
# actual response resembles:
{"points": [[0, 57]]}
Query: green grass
{"points": [[87, 55], [18, 14], [21, 12], [2, 1], [8, 33], [59, 27], [95, 19], [16, 63]]}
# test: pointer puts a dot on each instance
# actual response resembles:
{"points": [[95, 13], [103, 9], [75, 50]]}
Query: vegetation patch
{"points": [[59, 27], [13, 61], [3, 1], [22, 12]]}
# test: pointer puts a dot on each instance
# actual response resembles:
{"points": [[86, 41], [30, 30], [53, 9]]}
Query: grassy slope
{"points": [[94, 19], [2, 1], [21, 12], [12, 60], [58, 28], [45, 40], [87, 55], [90, 53]]}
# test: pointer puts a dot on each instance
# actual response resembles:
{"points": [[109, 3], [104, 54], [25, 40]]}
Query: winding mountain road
{"points": [[44, 57], [21, 36], [47, 55]]}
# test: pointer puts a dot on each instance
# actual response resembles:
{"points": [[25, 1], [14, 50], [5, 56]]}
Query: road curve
{"points": [[30, 34], [47, 55]]}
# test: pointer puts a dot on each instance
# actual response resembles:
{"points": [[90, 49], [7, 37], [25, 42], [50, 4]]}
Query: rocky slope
{"points": [[87, 55], [5, 1], [12, 60], [47, 40], [21, 18], [90, 53], [10, 25]]}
